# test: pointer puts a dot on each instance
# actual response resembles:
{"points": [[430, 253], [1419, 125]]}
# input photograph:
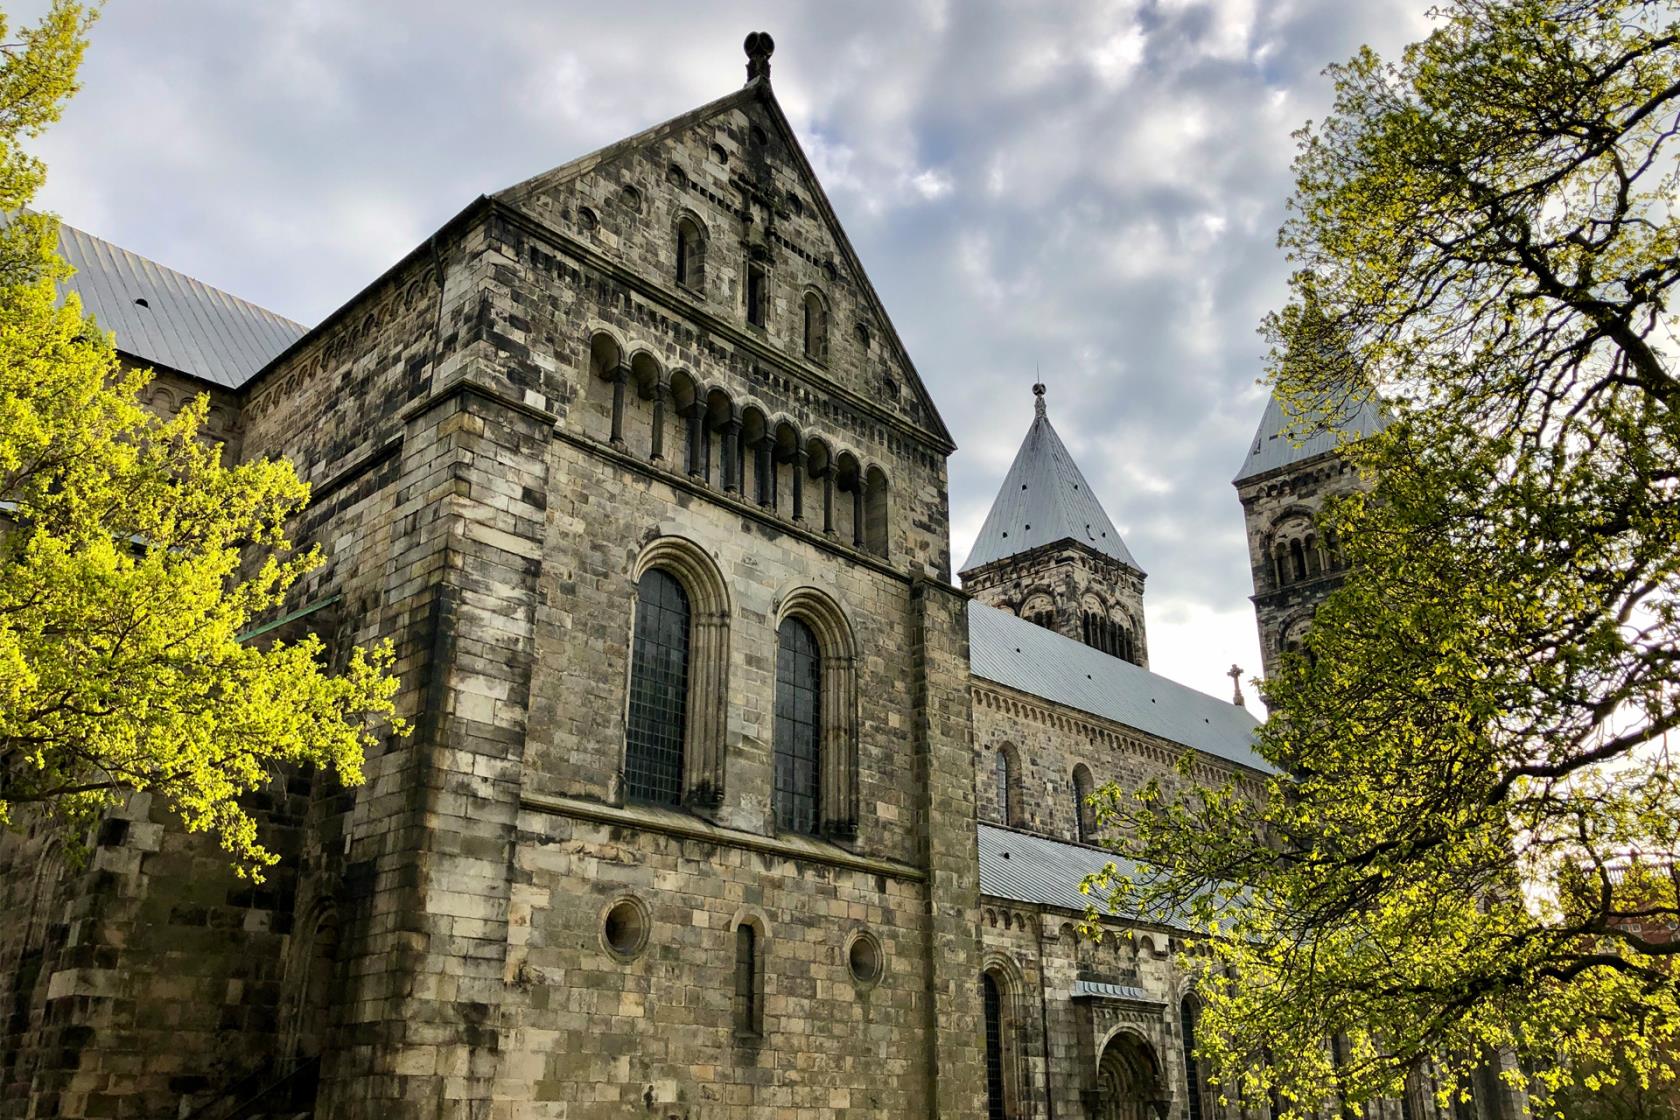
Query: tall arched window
{"points": [[992, 999], [816, 328], [798, 727], [1006, 811], [1297, 560], [1085, 817], [749, 984], [1195, 1087], [691, 253], [656, 728]]}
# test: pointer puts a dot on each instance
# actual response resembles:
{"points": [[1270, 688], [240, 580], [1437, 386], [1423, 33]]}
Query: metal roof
{"points": [[1014, 652], [1038, 870], [1283, 439], [1044, 499], [1097, 989], [163, 317]]}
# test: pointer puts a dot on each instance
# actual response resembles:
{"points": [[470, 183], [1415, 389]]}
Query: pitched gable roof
{"points": [[1028, 658], [1044, 499], [166, 318], [1284, 439], [756, 91]]}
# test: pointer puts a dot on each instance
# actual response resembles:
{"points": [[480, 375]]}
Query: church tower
{"points": [[1049, 553], [1292, 466]]}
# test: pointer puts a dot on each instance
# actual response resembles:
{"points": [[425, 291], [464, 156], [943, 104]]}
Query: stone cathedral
{"points": [[724, 800]]}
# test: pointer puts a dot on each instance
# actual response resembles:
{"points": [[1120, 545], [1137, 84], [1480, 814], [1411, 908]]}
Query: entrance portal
{"points": [[1129, 1081]]}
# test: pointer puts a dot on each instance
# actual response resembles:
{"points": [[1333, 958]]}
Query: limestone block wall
{"points": [[1036, 955], [1047, 741]]}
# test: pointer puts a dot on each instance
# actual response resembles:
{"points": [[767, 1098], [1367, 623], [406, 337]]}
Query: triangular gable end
{"points": [[717, 188]]}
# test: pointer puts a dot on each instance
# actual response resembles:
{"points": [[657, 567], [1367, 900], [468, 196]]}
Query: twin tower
{"points": [[1049, 553]]}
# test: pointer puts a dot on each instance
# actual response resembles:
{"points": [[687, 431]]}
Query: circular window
{"points": [[624, 929], [863, 957], [631, 199], [759, 137], [719, 154], [586, 218]]}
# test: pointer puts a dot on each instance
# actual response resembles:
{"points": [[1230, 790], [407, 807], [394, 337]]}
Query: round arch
{"points": [[708, 668], [838, 765], [1129, 1081]]}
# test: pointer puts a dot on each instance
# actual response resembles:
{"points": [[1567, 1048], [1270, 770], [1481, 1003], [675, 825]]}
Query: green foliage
{"points": [[131, 558], [1477, 732]]}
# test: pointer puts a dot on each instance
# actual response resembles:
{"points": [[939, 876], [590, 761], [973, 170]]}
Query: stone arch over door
{"points": [[1129, 1081]]}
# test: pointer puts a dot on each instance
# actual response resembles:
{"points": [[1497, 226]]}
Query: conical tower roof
{"points": [[1283, 440], [1045, 499]]}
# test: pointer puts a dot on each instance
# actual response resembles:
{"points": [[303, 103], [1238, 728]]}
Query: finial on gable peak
{"points": [[1038, 399], [759, 47]]}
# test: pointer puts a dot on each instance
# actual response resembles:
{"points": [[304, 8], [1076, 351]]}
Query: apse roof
{"points": [[1021, 655], [1044, 499], [1284, 439], [166, 318]]}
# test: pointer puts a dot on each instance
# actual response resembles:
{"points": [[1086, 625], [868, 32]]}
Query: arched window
{"points": [[798, 744], [1194, 1084], [1084, 816], [992, 999], [691, 254], [1297, 560], [757, 294], [655, 732], [1005, 780], [816, 328], [749, 982]]}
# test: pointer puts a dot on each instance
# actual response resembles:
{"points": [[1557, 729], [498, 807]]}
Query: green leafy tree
{"points": [[132, 559], [1486, 236]]}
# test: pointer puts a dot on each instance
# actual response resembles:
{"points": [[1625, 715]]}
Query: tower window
{"points": [[816, 328], [757, 294], [1297, 561], [653, 749], [798, 727], [691, 254]]}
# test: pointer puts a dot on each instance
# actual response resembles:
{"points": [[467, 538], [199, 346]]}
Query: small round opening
{"points": [[719, 154], [624, 929], [864, 959], [759, 138]]}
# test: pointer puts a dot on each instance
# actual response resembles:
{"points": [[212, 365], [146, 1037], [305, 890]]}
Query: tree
{"points": [[132, 559], [1486, 237]]}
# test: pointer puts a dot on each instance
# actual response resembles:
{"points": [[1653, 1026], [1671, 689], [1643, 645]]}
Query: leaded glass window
{"points": [[1084, 816], [798, 726], [653, 751], [1192, 1073], [993, 1000], [747, 1010]]}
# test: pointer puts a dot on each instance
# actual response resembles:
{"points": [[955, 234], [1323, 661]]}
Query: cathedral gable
{"points": [[721, 206]]}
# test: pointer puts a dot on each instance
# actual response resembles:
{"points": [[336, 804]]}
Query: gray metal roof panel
{"points": [[1283, 440], [184, 324], [1097, 989], [1014, 652], [1044, 499], [1038, 870]]}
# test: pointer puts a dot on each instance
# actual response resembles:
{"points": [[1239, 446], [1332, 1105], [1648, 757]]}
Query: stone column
{"points": [[657, 453], [766, 475], [799, 457], [696, 441], [857, 510], [828, 499], [731, 454], [620, 376]]}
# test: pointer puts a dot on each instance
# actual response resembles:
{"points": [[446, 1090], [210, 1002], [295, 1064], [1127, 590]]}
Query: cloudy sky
{"points": [[1086, 189]]}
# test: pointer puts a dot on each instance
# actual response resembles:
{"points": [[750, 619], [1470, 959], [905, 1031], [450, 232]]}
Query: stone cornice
{"points": [[671, 822]]}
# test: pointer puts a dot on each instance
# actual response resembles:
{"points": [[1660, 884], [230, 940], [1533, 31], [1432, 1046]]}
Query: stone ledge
{"points": [[674, 823]]}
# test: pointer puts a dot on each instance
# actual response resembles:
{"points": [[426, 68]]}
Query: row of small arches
{"points": [[1297, 552], [684, 425]]}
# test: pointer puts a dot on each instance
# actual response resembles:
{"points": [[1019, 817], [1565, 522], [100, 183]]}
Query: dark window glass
{"points": [[1003, 786], [993, 1000], [746, 979], [755, 295], [1082, 812], [1192, 1075], [1297, 560], [798, 726], [653, 752], [682, 254]]}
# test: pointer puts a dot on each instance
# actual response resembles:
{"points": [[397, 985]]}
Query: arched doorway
{"points": [[1129, 1081]]}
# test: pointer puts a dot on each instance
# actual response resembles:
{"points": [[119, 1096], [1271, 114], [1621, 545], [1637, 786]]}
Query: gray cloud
{"points": [[1087, 189]]}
